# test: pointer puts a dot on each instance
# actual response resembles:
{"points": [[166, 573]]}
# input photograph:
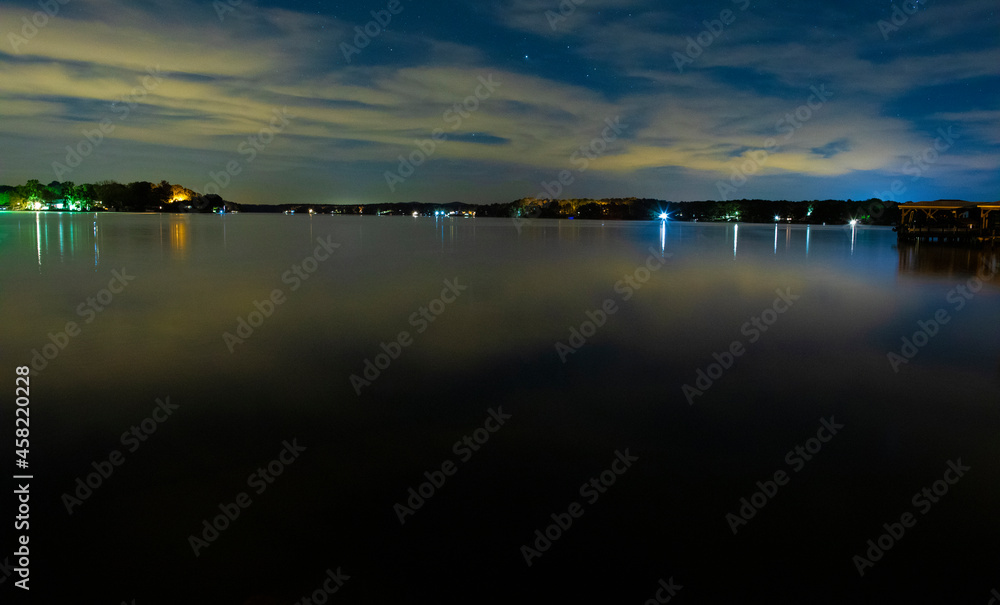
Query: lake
{"points": [[265, 408]]}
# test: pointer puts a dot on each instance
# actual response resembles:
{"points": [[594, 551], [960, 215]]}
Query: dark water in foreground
{"points": [[812, 314]]}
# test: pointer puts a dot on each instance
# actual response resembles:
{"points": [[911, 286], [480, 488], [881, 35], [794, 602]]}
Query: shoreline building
{"points": [[949, 221]]}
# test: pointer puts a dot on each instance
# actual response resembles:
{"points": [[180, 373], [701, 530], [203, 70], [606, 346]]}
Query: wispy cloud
{"points": [[227, 76]]}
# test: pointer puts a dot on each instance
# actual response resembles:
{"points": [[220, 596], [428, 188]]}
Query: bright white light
{"points": [[854, 222], [663, 216], [777, 218]]}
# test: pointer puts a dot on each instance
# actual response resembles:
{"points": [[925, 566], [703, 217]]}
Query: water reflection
{"points": [[179, 237], [946, 260], [67, 238], [175, 235], [526, 287], [38, 238], [63, 236]]}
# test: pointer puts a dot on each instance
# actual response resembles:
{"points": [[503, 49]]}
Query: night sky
{"points": [[286, 102]]}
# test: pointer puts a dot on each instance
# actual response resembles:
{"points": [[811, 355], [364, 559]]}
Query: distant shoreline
{"points": [[441, 217], [165, 197]]}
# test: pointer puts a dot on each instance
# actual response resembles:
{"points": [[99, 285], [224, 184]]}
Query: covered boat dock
{"points": [[949, 221]]}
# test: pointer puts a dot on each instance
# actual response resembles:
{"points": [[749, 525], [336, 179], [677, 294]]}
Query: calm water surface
{"points": [[812, 312]]}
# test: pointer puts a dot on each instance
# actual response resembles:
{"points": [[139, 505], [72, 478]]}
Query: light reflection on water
{"points": [[494, 346]]}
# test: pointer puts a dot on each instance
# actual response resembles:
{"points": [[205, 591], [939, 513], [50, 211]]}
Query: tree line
{"points": [[143, 196], [872, 211], [139, 196]]}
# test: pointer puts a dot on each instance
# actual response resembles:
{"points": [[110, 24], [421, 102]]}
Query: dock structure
{"points": [[949, 221]]}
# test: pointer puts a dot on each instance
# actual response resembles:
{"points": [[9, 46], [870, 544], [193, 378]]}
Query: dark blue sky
{"points": [[285, 101]]}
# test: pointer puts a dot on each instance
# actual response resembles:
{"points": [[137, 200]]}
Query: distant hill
{"points": [[144, 196]]}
